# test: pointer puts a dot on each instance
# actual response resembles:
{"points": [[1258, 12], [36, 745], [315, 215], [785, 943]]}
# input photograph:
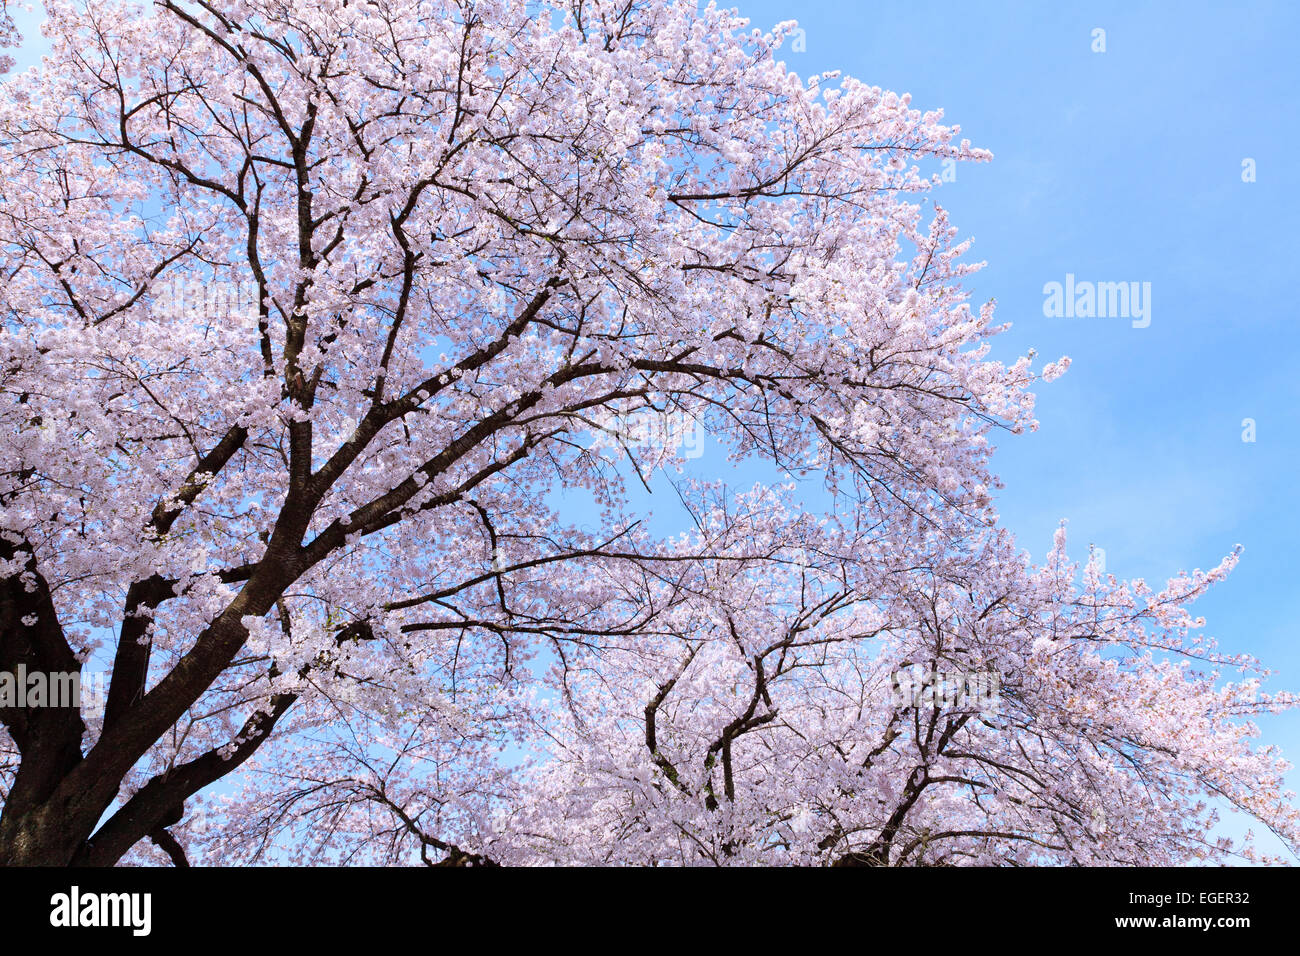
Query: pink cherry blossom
{"points": [[310, 312]]}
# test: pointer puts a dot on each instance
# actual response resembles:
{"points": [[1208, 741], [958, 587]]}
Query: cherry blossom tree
{"points": [[311, 313]]}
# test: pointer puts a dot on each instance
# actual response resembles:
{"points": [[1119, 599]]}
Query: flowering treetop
{"points": [[307, 309]]}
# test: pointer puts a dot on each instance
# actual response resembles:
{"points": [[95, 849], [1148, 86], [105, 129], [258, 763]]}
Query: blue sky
{"points": [[1124, 165], [1127, 166]]}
